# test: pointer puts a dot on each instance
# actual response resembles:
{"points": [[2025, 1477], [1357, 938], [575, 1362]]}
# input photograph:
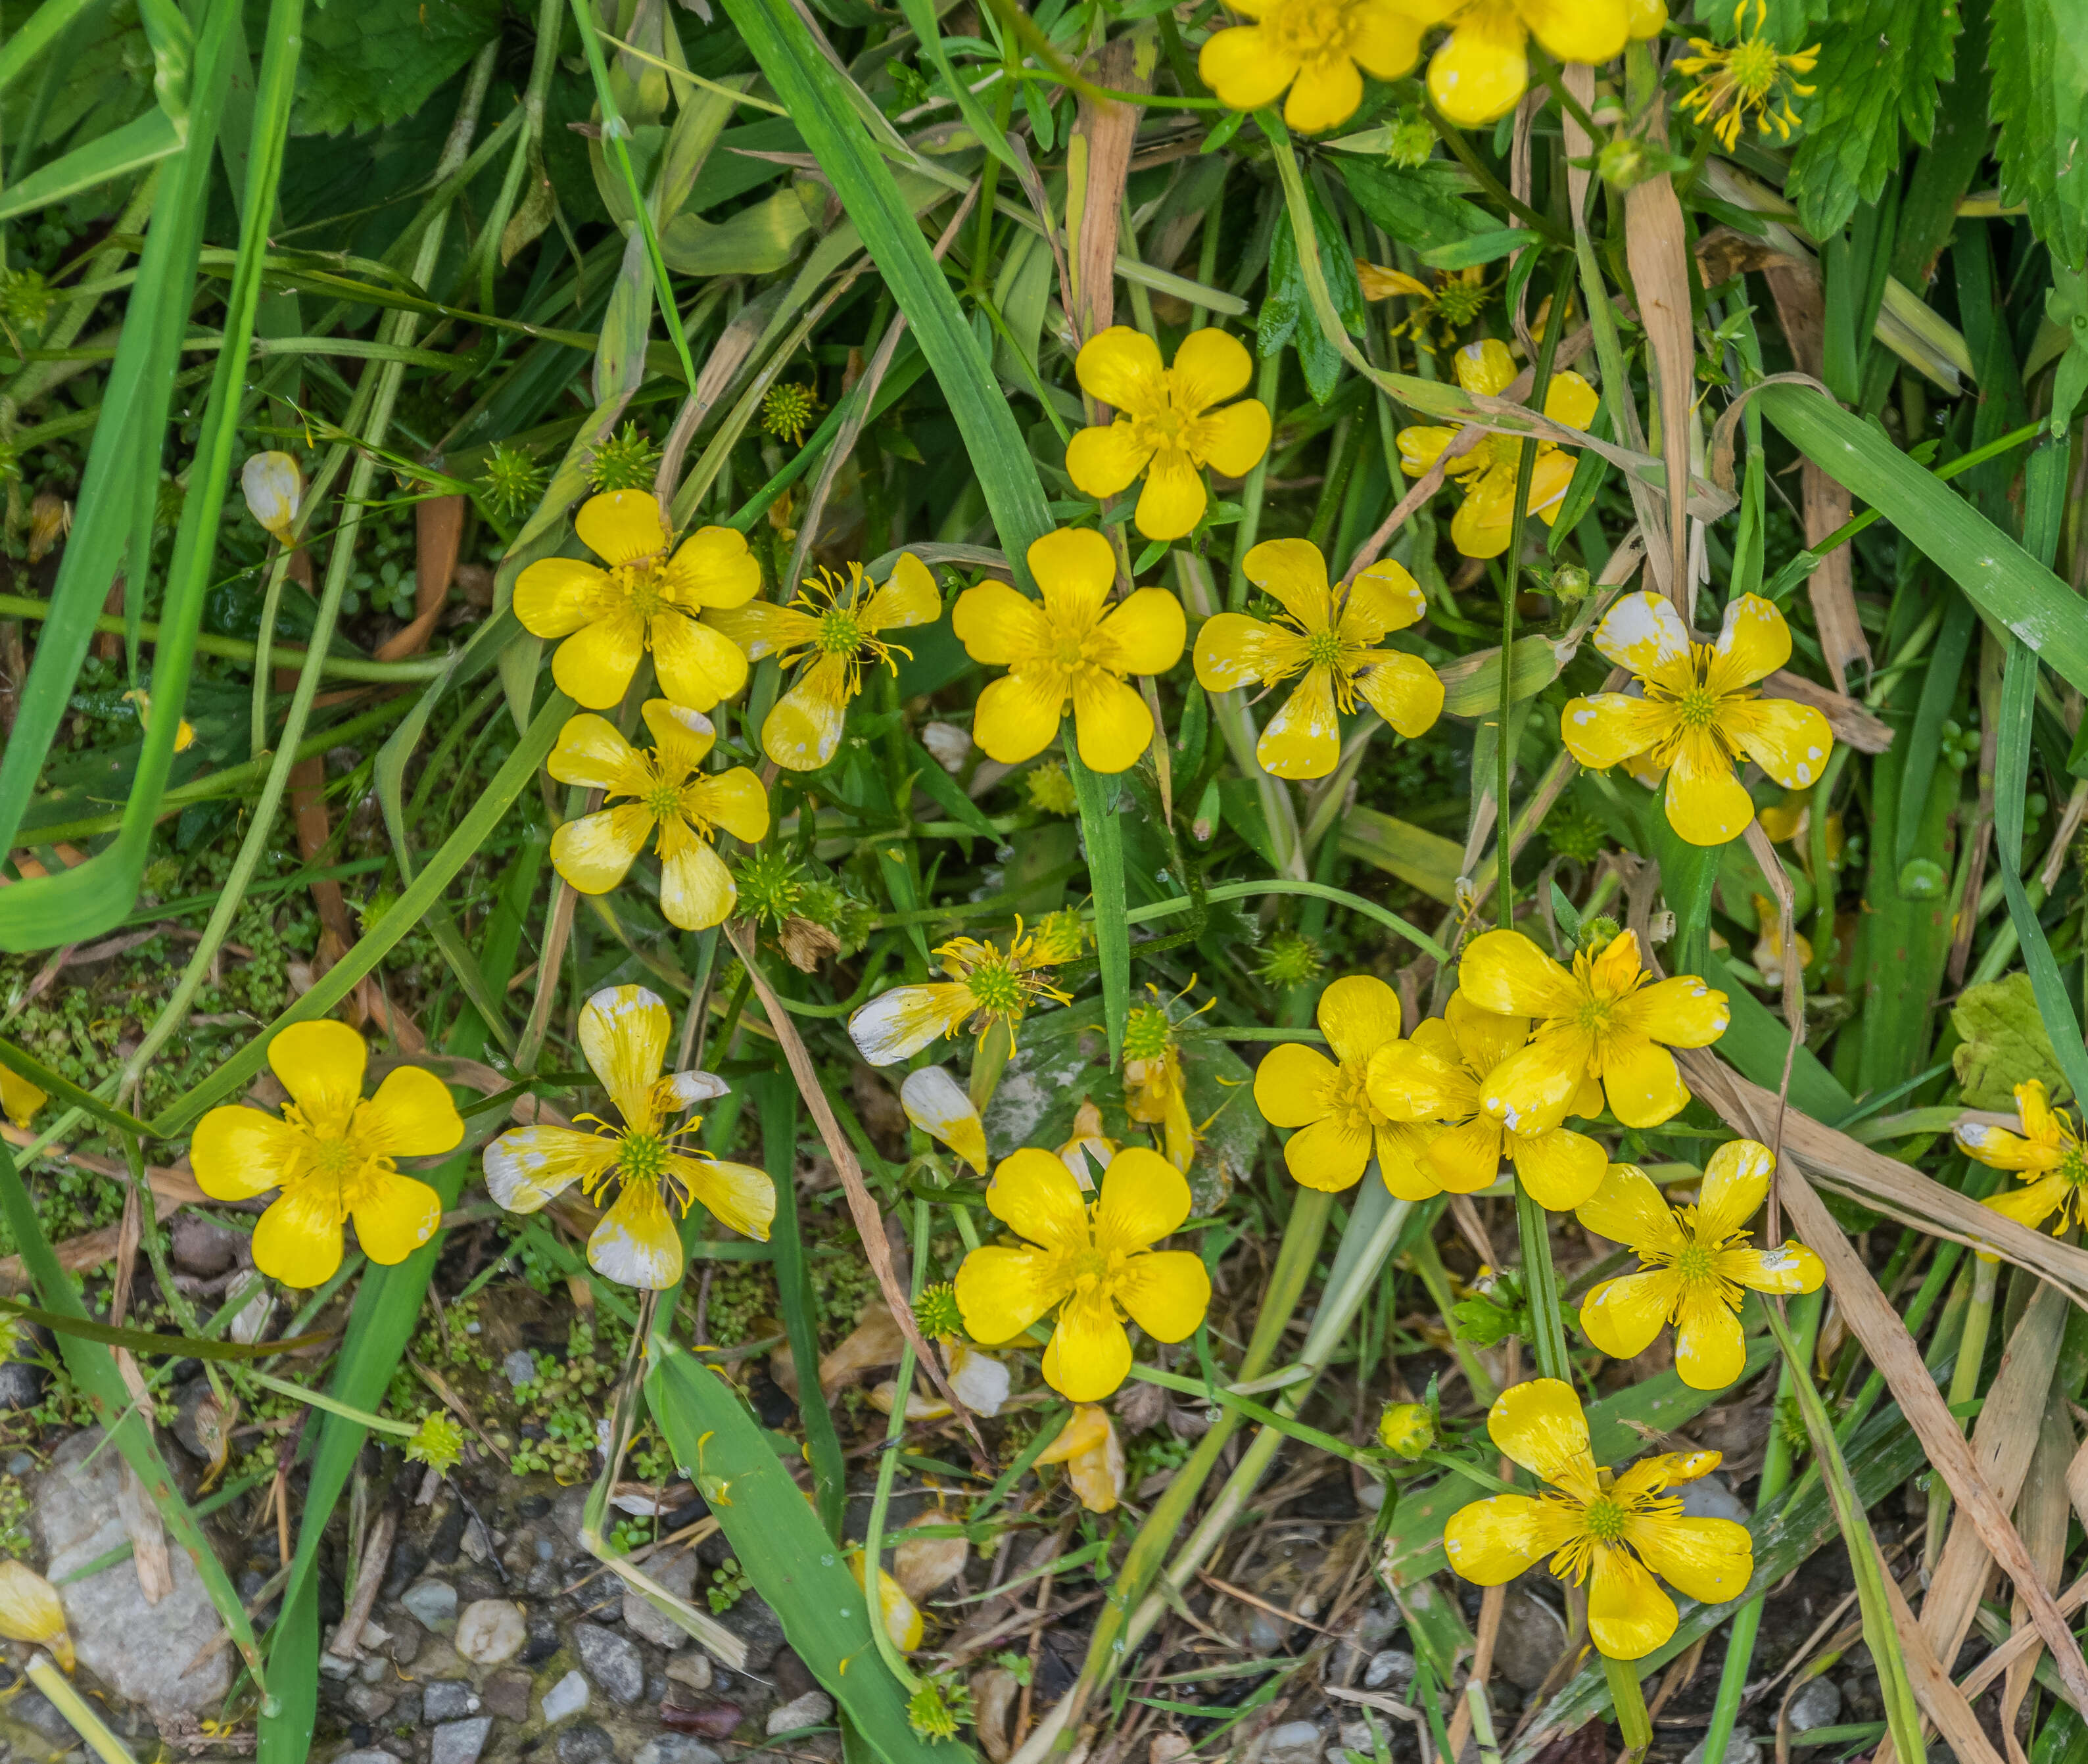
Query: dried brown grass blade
{"points": [[1852, 721], [2041, 1516], [1940, 1700], [1097, 162], [1657, 248]]}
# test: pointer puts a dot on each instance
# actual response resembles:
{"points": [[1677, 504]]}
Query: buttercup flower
{"points": [[902, 1616], [1602, 1021], [1480, 71], [1439, 1076], [30, 1610], [835, 625], [1438, 313], [273, 487], [20, 1099], [1155, 1091], [333, 1152], [1603, 1527], [624, 1033], [1700, 714], [1168, 425], [1087, 1259], [1330, 636], [1407, 1429], [644, 598], [987, 985], [1329, 1101], [1072, 647], [2047, 1158], [1747, 77], [669, 794], [1481, 525], [1093, 1456], [937, 1104], [1318, 50], [1089, 1152], [1694, 1262]]}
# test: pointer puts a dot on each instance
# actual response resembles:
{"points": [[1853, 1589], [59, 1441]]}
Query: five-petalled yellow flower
{"points": [[641, 596], [1330, 635], [1088, 1261], [623, 1032], [1171, 423], [333, 1153], [1328, 1101], [1317, 50], [669, 792], [1071, 647], [987, 985], [1602, 1527], [833, 626], [2046, 1157], [1694, 1262]]}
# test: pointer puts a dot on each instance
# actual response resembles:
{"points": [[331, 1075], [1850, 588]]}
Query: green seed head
{"points": [[936, 1311], [512, 480], [627, 460], [786, 412], [1291, 959]]}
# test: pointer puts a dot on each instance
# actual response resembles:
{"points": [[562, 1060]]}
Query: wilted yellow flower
{"points": [[1599, 1526], [987, 985], [1484, 520], [51, 519], [1072, 648], [1699, 713], [2047, 1158], [333, 1152], [833, 625], [902, 1616], [624, 1032], [1165, 426], [30, 1610], [1747, 77], [640, 596], [274, 488], [1768, 939], [1439, 313], [669, 794], [1089, 1152], [1330, 636], [1329, 1101], [1694, 1262], [937, 1104], [1155, 1090], [1093, 1454], [1407, 1429], [1317, 50]]}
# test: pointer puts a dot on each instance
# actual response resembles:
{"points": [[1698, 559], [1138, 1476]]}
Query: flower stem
{"points": [[887, 1466], [1540, 1289], [1634, 1723]]}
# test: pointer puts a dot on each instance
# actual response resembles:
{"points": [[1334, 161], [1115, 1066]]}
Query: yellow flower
{"points": [[332, 1153], [1769, 940], [1328, 1100], [1602, 1021], [1700, 713], [1093, 1456], [1480, 71], [645, 598], [1481, 527], [987, 985], [1090, 1149], [1440, 313], [1747, 77], [1599, 1526], [2048, 1159], [624, 1032], [669, 794], [30, 1610], [184, 731], [835, 625], [1439, 1076], [1070, 647], [1329, 636], [1088, 1261], [1694, 1262], [20, 1099], [937, 1104], [273, 487], [902, 1616], [1165, 425], [1318, 50], [1155, 1092]]}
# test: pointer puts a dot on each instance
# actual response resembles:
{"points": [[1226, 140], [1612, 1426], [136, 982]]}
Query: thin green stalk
{"points": [[1628, 1699], [1540, 1285], [75, 1708], [1241, 891], [1964, 1383], [1268, 384], [887, 1466]]}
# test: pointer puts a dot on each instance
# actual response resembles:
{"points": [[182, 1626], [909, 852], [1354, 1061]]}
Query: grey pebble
{"points": [[460, 1742], [1743, 1748], [520, 1367], [586, 1744], [568, 1697], [815, 1708], [676, 1749], [612, 1661], [434, 1602], [448, 1699]]}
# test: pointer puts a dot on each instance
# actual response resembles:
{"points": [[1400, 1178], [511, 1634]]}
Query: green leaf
{"points": [[1480, 248], [2006, 1044], [131, 148], [1287, 315], [379, 61], [1104, 839], [1421, 206], [1881, 63], [2039, 64]]}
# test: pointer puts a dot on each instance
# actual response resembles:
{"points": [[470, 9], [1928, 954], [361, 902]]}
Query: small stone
{"points": [[691, 1667], [751, 1620], [373, 1668], [460, 1742], [1532, 1637], [612, 1661], [1296, 1742], [331, 1665], [568, 1697], [1818, 1705], [1359, 1737], [1265, 1634], [520, 1367], [585, 1744], [1378, 1624], [676, 1749], [490, 1631], [434, 1603], [1712, 1497], [368, 1701], [1743, 1748], [644, 1619], [20, 1464], [367, 1755], [1389, 1669], [507, 1695], [407, 1636], [448, 1699], [812, 1710]]}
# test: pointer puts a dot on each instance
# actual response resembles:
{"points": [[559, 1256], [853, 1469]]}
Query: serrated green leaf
{"points": [[378, 62], [2006, 1044], [2039, 64], [1421, 206]]}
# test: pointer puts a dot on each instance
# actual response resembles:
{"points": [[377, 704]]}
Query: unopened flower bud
{"points": [[1625, 160], [1406, 1428]]}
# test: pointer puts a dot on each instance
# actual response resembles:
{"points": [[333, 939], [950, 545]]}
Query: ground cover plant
{"points": [[1124, 880]]}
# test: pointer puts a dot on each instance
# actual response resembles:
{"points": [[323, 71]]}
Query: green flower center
{"points": [[1147, 1034], [1458, 301], [839, 633], [1694, 1263], [1605, 1520], [642, 1157], [1697, 708], [1753, 67], [996, 987], [1324, 648], [338, 1159], [1069, 650], [663, 803], [2072, 1165], [641, 588], [1089, 1269]]}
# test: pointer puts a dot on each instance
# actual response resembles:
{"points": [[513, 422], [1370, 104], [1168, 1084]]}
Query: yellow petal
{"points": [[1706, 803], [698, 664], [1358, 1014], [1074, 565], [803, 730], [1229, 650], [1384, 40], [1034, 1195], [733, 800], [320, 1065], [1623, 1317], [1383, 599], [1110, 721], [1641, 1082], [2034, 1110], [896, 1025], [1233, 440], [401, 1216], [1085, 1428], [995, 624], [1464, 1157], [1303, 739], [1244, 66], [1327, 93], [1647, 17], [1481, 1039], [20, 1099], [621, 526], [1610, 728], [680, 736], [1294, 574], [1000, 1292], [1143, 1197], [1710, 1349], [1550, 479], [1735, 1184], [594, 665], [1405, 692], [1174, 499], [1789, 741], [1532, 1090], [738, 1196], [1098, 1474], [1143, 633], [1540, 1425], [297, 1240], [1107, 458], [1210, 366], [1571, 400], [1166, 1292], [713, 566], [237, 1152], [1644, 632], [1628, 1210], [1580, 30], [528, 1167], [1121, 367], [908, 597], [1290, 1084], [636, 1244], [696, 889], [1709, 1560], [1558, 1169], [1400, 1150], [1505, 972], [1628, 1615], [761, 628], [1331, 1154], [1484, 522], [411, 1116], [1682, 1011], [981, 1382], [2032, 1203], [594, 853], [592, 753], [1492, 1541], [1485, 368], [1420, 447], [1089, 1354], [1788, 1268], [1017, 718], [937, 1104], [1994, 1146], [1379, 283], [1754, 642], [555, 597], [273, 487]]}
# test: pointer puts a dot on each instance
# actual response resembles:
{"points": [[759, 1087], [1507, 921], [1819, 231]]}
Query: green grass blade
{"points": [[144, 141], [36, 34], [1104, 842]]}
